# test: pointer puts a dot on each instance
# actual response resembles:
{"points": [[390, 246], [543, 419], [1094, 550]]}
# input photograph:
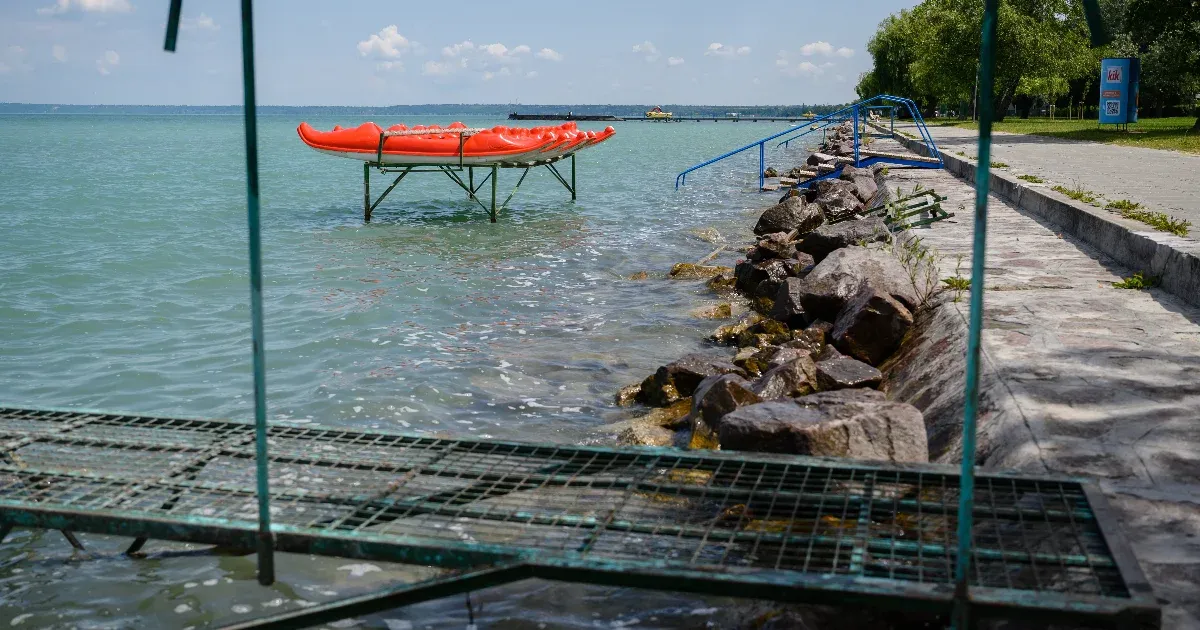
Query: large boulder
{"points": [[794, 378], [835, 371], [787, 307], [831, 237], [679, 379], [790, 214], [774, 245], [829, 426], [862, 179], [840, 203], [820, 158], [836, 280], [825, 186], [719, 395], [871, 325], [751, 274]]}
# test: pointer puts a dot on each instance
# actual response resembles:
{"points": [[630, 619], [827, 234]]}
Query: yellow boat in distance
{"points": [[657, 113]]}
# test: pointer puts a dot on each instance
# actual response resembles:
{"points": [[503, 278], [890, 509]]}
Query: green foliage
{"points": [[1078, 194], [1123, 204], [1137, 282], [1158, 220], [1175, 133], [1034, 179], [999, 165], [957, 282]]}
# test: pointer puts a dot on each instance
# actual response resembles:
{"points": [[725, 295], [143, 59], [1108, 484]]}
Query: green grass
{"points": [[1154, 133], [1137, 282], [999, 165], [1034, 179], [1157, 220], [1078, 194]]}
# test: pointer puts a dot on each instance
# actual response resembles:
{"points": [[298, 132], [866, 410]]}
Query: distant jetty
{"points": [[566, 116], [609, 118]]}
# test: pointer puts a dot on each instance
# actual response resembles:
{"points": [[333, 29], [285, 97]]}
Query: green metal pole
{"points": [[471, 182], [966, 500], [572, 177], [495, 177], [367, 192], [266, 542]]}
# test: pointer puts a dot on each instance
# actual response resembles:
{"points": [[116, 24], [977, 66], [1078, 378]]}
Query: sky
{"points": [[371, 53]]}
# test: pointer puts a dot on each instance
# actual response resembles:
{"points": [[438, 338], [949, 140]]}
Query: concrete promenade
{"points": [[1078, 377], [1165, 181]]}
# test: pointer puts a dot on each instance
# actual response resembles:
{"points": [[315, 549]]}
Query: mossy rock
{"points": [[763, 305], [628, 395], [641, 275], [728, 334], [723, 310], [691, 271]]}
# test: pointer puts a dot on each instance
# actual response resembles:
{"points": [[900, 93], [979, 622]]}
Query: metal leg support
{"points": [[471, 182], [573, 189], [402, 596], [495, 177], [4, 531], [366, 192]]}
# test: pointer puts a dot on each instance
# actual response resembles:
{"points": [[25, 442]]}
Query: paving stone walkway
{"points": [[1079, 378], [1165, 181]]}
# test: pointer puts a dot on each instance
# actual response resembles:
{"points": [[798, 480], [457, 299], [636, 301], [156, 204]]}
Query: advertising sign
{"points": [[1118, 90]]}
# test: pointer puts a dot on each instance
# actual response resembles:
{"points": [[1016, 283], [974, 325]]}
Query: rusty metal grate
{"points": [[714, 520]]}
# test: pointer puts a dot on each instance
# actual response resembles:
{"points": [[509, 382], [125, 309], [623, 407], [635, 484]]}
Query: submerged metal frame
{"points": [[453, 172]]}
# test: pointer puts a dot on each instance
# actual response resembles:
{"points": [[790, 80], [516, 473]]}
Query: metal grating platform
{"points": [[790, 529]]}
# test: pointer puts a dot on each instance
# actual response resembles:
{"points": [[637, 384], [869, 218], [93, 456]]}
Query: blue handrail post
{"points": [[266, 541], [856, 135], [761, 163], [966, 501]]}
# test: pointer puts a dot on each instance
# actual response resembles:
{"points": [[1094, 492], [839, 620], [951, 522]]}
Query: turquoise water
{"points": [[124, 287]]}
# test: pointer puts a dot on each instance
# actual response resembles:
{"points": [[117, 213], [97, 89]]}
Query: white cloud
{"points": [[388, 66], [87, 6], [549, 54], [458, 49], [522, 50], [386, 44], [648, 50], [717, 49], [105, 64], [487, 76], [674, 61], [200, 23], [495, 50], [59, 52], [816, 48], [844, 52], [532, 74]]}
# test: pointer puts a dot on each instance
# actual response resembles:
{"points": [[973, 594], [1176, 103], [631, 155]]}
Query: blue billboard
{"points": [[1119, 90]]}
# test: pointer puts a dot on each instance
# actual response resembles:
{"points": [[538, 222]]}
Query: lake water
{"points": [[124, 287]]}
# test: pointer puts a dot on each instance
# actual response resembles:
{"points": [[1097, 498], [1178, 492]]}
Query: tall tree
{"points": [[1167, 32]]}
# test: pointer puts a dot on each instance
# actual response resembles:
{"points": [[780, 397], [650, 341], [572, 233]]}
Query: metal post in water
{"points": [[367, 192], [471, 182], [761, 163], [266, 542], [495, 176], [966, 500], [572, 177]]}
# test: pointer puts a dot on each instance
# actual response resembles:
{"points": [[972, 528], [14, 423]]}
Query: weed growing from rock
{"points": [[1157, 220], [1034, 179], [1078, 193], [1137, 282], [957, 282], [999, 165]]}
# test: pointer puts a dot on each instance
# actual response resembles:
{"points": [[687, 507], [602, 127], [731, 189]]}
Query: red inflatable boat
{"points": [[450, 145]]}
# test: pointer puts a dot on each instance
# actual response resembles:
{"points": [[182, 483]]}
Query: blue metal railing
{"points": [[854, 112]]}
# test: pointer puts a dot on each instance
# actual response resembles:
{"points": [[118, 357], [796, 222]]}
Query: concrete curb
{"points": [[1174, 259]]}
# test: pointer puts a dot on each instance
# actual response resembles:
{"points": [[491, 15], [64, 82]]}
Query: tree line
{"points": [[930, 53]]}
